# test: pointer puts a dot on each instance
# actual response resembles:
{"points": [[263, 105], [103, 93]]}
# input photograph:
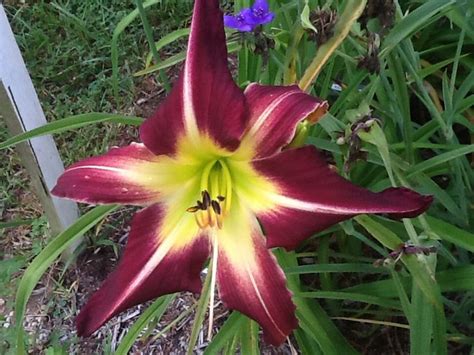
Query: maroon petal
{"points": [[312, 197], [205, 100], [275, 111], [152, 265], [110, 178], [250, 279]]}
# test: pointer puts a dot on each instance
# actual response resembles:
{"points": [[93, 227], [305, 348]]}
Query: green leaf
{"points": [[440, 159], [420, 17], [71, 123], [355, 297], [201, 311], [249, 338], [320, 268], [312, 318], [178, 58], [304, 17], [418, 270], [430, 69], [450, 233], [16, 223], [231, 326], [155, 311], [376, 137], [453, 280], [165, 40], [121, 26], [421, 323], [47, 257]]}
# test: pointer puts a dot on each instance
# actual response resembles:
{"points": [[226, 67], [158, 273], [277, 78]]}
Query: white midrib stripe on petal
{"points": [[190, 122], [145, 271], [266, 113], [100, 167], [284, 201], [262, 302]]}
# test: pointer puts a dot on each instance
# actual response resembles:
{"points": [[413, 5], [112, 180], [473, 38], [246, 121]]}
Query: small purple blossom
{"points": [[249, 18]]}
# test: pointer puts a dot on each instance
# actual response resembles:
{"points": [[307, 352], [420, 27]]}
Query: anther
{"points": [[206, 199], [216, 207], [193, 209], [221, 198], [200, 205]]}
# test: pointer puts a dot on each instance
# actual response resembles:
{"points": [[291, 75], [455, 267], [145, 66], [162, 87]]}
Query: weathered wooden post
{"points": [[21, 110]]}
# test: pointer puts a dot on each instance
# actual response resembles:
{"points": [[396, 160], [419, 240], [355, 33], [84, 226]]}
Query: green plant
{"points": [[422, 97]]}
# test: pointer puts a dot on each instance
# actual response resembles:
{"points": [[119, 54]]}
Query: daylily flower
{"points": [[250, 17], [214, 176]]}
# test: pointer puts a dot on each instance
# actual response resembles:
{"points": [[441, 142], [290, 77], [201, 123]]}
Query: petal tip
{"points": [[83, 325], [319, 112], [55, 191], [415, 203]]}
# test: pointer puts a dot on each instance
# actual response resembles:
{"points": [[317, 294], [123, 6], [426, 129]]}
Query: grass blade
{"points": [[166, 40], [71, 123], [156, 310], [450, 233], [178, 58], [312, 317], [235, 321], [413, 21], [121, 26], [440, 159]]}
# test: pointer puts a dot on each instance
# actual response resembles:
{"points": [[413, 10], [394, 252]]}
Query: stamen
{"points": [[228, 187], [216, 207], [216, 195], [212, 217], [220, 221], [200, 220], [206, 199]]}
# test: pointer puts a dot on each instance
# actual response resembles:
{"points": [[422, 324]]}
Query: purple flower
{"points": [[249, 18]]}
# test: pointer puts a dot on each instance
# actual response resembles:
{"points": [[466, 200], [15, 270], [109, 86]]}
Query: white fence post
{"points": [[21, 109]]}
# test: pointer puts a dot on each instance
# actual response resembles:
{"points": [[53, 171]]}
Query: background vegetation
{"points": [[408, 64]]}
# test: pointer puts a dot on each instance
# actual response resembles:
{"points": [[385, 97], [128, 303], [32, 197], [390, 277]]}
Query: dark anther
{"points": [[200, 205], [193, 209], [221, 198], [206, 199], [216, 207]]}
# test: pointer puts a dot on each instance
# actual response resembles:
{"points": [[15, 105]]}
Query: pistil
{"points": [[216, 192]]}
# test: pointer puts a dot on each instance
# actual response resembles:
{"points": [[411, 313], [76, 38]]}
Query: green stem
{"points": [[351, 13], [151, 43], [289, 76], [201, 311]]}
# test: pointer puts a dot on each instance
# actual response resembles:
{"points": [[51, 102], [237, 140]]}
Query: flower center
{"points": [[240, 19], [216, 195], [258, 12]]}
